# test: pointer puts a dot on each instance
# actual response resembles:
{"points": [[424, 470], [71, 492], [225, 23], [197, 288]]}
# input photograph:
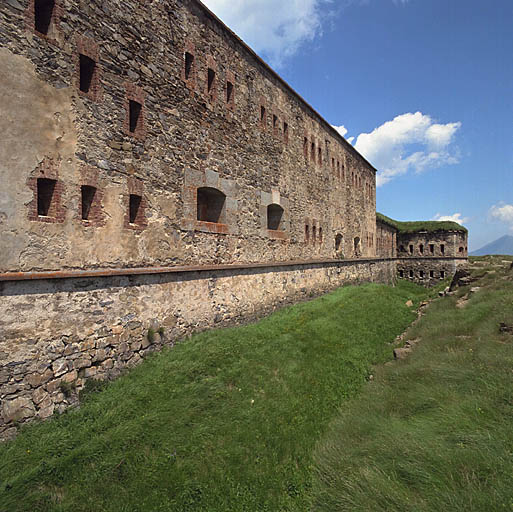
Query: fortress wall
{"points": [[56, 333], [386, 240], [428, 257], [187, 137], [428, 271]]}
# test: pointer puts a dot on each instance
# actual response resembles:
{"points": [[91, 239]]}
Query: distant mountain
{"points": [[503, 245]]}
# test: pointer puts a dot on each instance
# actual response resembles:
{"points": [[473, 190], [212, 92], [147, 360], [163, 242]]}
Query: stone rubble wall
{"points": [[188, 137], [56, 334], [428, 271]]}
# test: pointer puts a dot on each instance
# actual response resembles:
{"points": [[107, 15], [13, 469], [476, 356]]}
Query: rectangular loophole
{"points": [[87, 68], [135, 110], [88, 194], [275, 122], [442, 248], [211, 80], [229, 92], [45, 190], [262, 115], [134, 207], [43, 14], [431, 273], [285, 132], [189, 63]]}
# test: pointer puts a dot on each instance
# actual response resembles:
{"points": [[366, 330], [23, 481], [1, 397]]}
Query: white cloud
{"points": [[408, 142], [341, 129], [274, 29], [455, 217], [503, 212]]}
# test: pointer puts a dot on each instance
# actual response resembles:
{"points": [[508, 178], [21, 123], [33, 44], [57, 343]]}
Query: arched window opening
{"points": [[314, 234], [211, 204], [461, 249], [274, 216], [356, 242], [338, 242], [43, 12], [421, 249]]}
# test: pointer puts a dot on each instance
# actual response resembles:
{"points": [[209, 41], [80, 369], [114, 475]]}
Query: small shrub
{"points": [[67, 388], [151, 334], [92, 386], [160, 330]]}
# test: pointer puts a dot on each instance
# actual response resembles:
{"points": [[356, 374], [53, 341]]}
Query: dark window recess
{"points": [[401, 248], [314, 233], [135, 111], [461, 249], [313, 151], [442, 248], [421, 249], [411, 273], [275, 122], [320, 235], [262, 114], [305, 147], [356, 242], [88, 194], [431, 273], [43, 13], [286, 131], [45, 190], [87, 67], [210, 205], [211, 80], [338, 242], [274, 216], [411, 249], [319, 152], [442, 274], [401, 273], [432, 248], [229, 92], [189, 63], [307, 232], [135, 205], [421, 274]]}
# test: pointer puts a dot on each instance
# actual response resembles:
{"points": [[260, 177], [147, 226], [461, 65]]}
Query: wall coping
{"points": [[109, 272]]}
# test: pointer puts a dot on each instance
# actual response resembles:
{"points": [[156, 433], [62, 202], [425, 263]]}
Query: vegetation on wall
{"points": [[430, 226]]}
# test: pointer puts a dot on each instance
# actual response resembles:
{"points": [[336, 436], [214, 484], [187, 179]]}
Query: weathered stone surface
{"points": [[82, 362], [60, 367], [402, 353], [39, 395], [17, 409]]}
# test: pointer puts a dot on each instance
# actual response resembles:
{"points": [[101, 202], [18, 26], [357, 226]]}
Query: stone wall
{"points": [[428, 257], [386, 240], [428, 271], [55, 334], [174, 102]]}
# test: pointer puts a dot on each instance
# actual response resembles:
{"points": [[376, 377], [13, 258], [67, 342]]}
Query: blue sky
{"points": [[424, 89]]}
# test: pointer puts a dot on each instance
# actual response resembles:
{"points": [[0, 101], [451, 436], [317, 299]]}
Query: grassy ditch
{"points": [[433, 432], [226, 421]]}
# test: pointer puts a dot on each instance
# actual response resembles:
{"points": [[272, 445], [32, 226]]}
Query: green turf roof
{"points": [[430, 226]]}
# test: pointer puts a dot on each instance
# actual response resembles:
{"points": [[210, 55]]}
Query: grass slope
{"points": [[433, 432], [226, 421]]}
